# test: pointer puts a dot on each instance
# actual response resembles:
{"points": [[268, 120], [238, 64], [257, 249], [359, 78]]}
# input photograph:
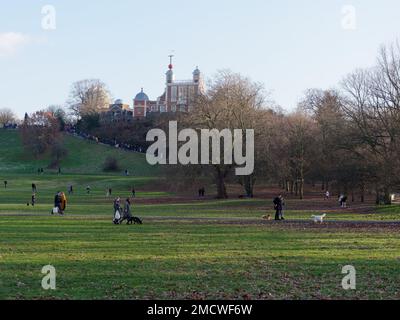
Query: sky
{"points": [[288, 45]]}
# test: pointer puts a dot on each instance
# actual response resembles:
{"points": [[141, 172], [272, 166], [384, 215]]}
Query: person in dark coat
{"points": [[278, 206], [33, 199], [57, 202], [127, 211]]}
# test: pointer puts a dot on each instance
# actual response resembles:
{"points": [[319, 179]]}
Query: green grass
{"points": [[96, 260], [84, 157], [173, 258]]}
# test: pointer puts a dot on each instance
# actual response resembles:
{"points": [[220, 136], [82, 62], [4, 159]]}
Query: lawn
{"points": [[186, 248], [164, 260]]}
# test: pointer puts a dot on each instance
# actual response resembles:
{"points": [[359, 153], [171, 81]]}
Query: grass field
{"points": [[191, 249]]}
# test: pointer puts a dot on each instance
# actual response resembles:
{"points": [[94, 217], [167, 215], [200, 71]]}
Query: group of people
{"points": [[122, 214], [202, 192], [60, 203]]}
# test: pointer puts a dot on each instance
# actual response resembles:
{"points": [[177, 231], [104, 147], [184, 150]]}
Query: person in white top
{"points": [[327, 195]]}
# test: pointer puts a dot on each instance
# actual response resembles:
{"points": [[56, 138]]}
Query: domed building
{"points": [[118, 111], [140, 105], [178, 96]]}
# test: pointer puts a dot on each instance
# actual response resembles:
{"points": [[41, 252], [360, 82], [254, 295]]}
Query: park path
{"points": [[292, 223]]}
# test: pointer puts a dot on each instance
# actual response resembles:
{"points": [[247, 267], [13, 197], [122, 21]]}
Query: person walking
{"points": [[33, 199], [34, 188], [88, 189], [5, 184], [127, 211], [327, 195], [57, 203], [63, 204], [117, 211], [133, 192], [344, 202], [281, 213], [341, 200], [70, 190]]}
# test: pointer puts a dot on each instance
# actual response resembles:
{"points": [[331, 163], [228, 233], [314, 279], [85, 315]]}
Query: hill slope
{"points": [[83, 157]]}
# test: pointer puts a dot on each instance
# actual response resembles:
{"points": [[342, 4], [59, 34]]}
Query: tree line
{"points": [[345, 139]]}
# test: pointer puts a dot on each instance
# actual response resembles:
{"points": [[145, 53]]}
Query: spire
{"points": [[171, 66]]}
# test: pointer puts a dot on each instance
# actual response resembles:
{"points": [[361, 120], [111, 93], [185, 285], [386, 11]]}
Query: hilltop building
{"points": [[178, 96]]}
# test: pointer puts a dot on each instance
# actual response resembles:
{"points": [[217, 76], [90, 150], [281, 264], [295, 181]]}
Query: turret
{"points": [[196, 75]]}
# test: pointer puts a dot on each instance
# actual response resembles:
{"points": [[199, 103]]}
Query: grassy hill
{"points": [[84, 157]]}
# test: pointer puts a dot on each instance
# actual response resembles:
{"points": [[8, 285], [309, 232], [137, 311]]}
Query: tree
{"points": [[59, 113], [301, 138], [40, 132], [88, 97], [7, 116], [373, 108], [325, 108], [231, 102]]}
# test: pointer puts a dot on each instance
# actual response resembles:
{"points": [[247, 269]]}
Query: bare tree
{"points": [[373, 106], [88, 97], [40, 132], [231, 102], [6, 116]]}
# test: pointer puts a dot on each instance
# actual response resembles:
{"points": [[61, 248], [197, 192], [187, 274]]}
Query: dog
{"points": [[134, 220], [267, 217], [319, 219]]}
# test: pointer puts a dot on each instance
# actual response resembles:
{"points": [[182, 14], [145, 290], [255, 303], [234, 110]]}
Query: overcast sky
{"points": [[289, 45]]}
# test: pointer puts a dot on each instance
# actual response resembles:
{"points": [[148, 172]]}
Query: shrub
{"points": [[111, 164]]}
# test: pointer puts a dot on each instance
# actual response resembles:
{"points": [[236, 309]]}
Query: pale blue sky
{"points": [[289, 45]]}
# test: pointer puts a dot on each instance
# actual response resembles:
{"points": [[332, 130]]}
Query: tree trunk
{"points": [[387, 196], [362, 192], [221, 187], [301, 189], [248, 184]]}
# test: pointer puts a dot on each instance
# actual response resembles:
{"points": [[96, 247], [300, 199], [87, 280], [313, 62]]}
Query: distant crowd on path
{"points": [[110, 142]]}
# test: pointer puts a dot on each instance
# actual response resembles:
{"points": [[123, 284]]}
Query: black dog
{"points": [[134, 220]]}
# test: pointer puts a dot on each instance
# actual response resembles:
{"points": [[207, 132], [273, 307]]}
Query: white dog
{"points": [[319, 219]]}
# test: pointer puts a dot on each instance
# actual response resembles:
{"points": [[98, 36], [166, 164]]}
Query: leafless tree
{"points": [[6, 116], [231, 102], [373, 106], [88, 97]]}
